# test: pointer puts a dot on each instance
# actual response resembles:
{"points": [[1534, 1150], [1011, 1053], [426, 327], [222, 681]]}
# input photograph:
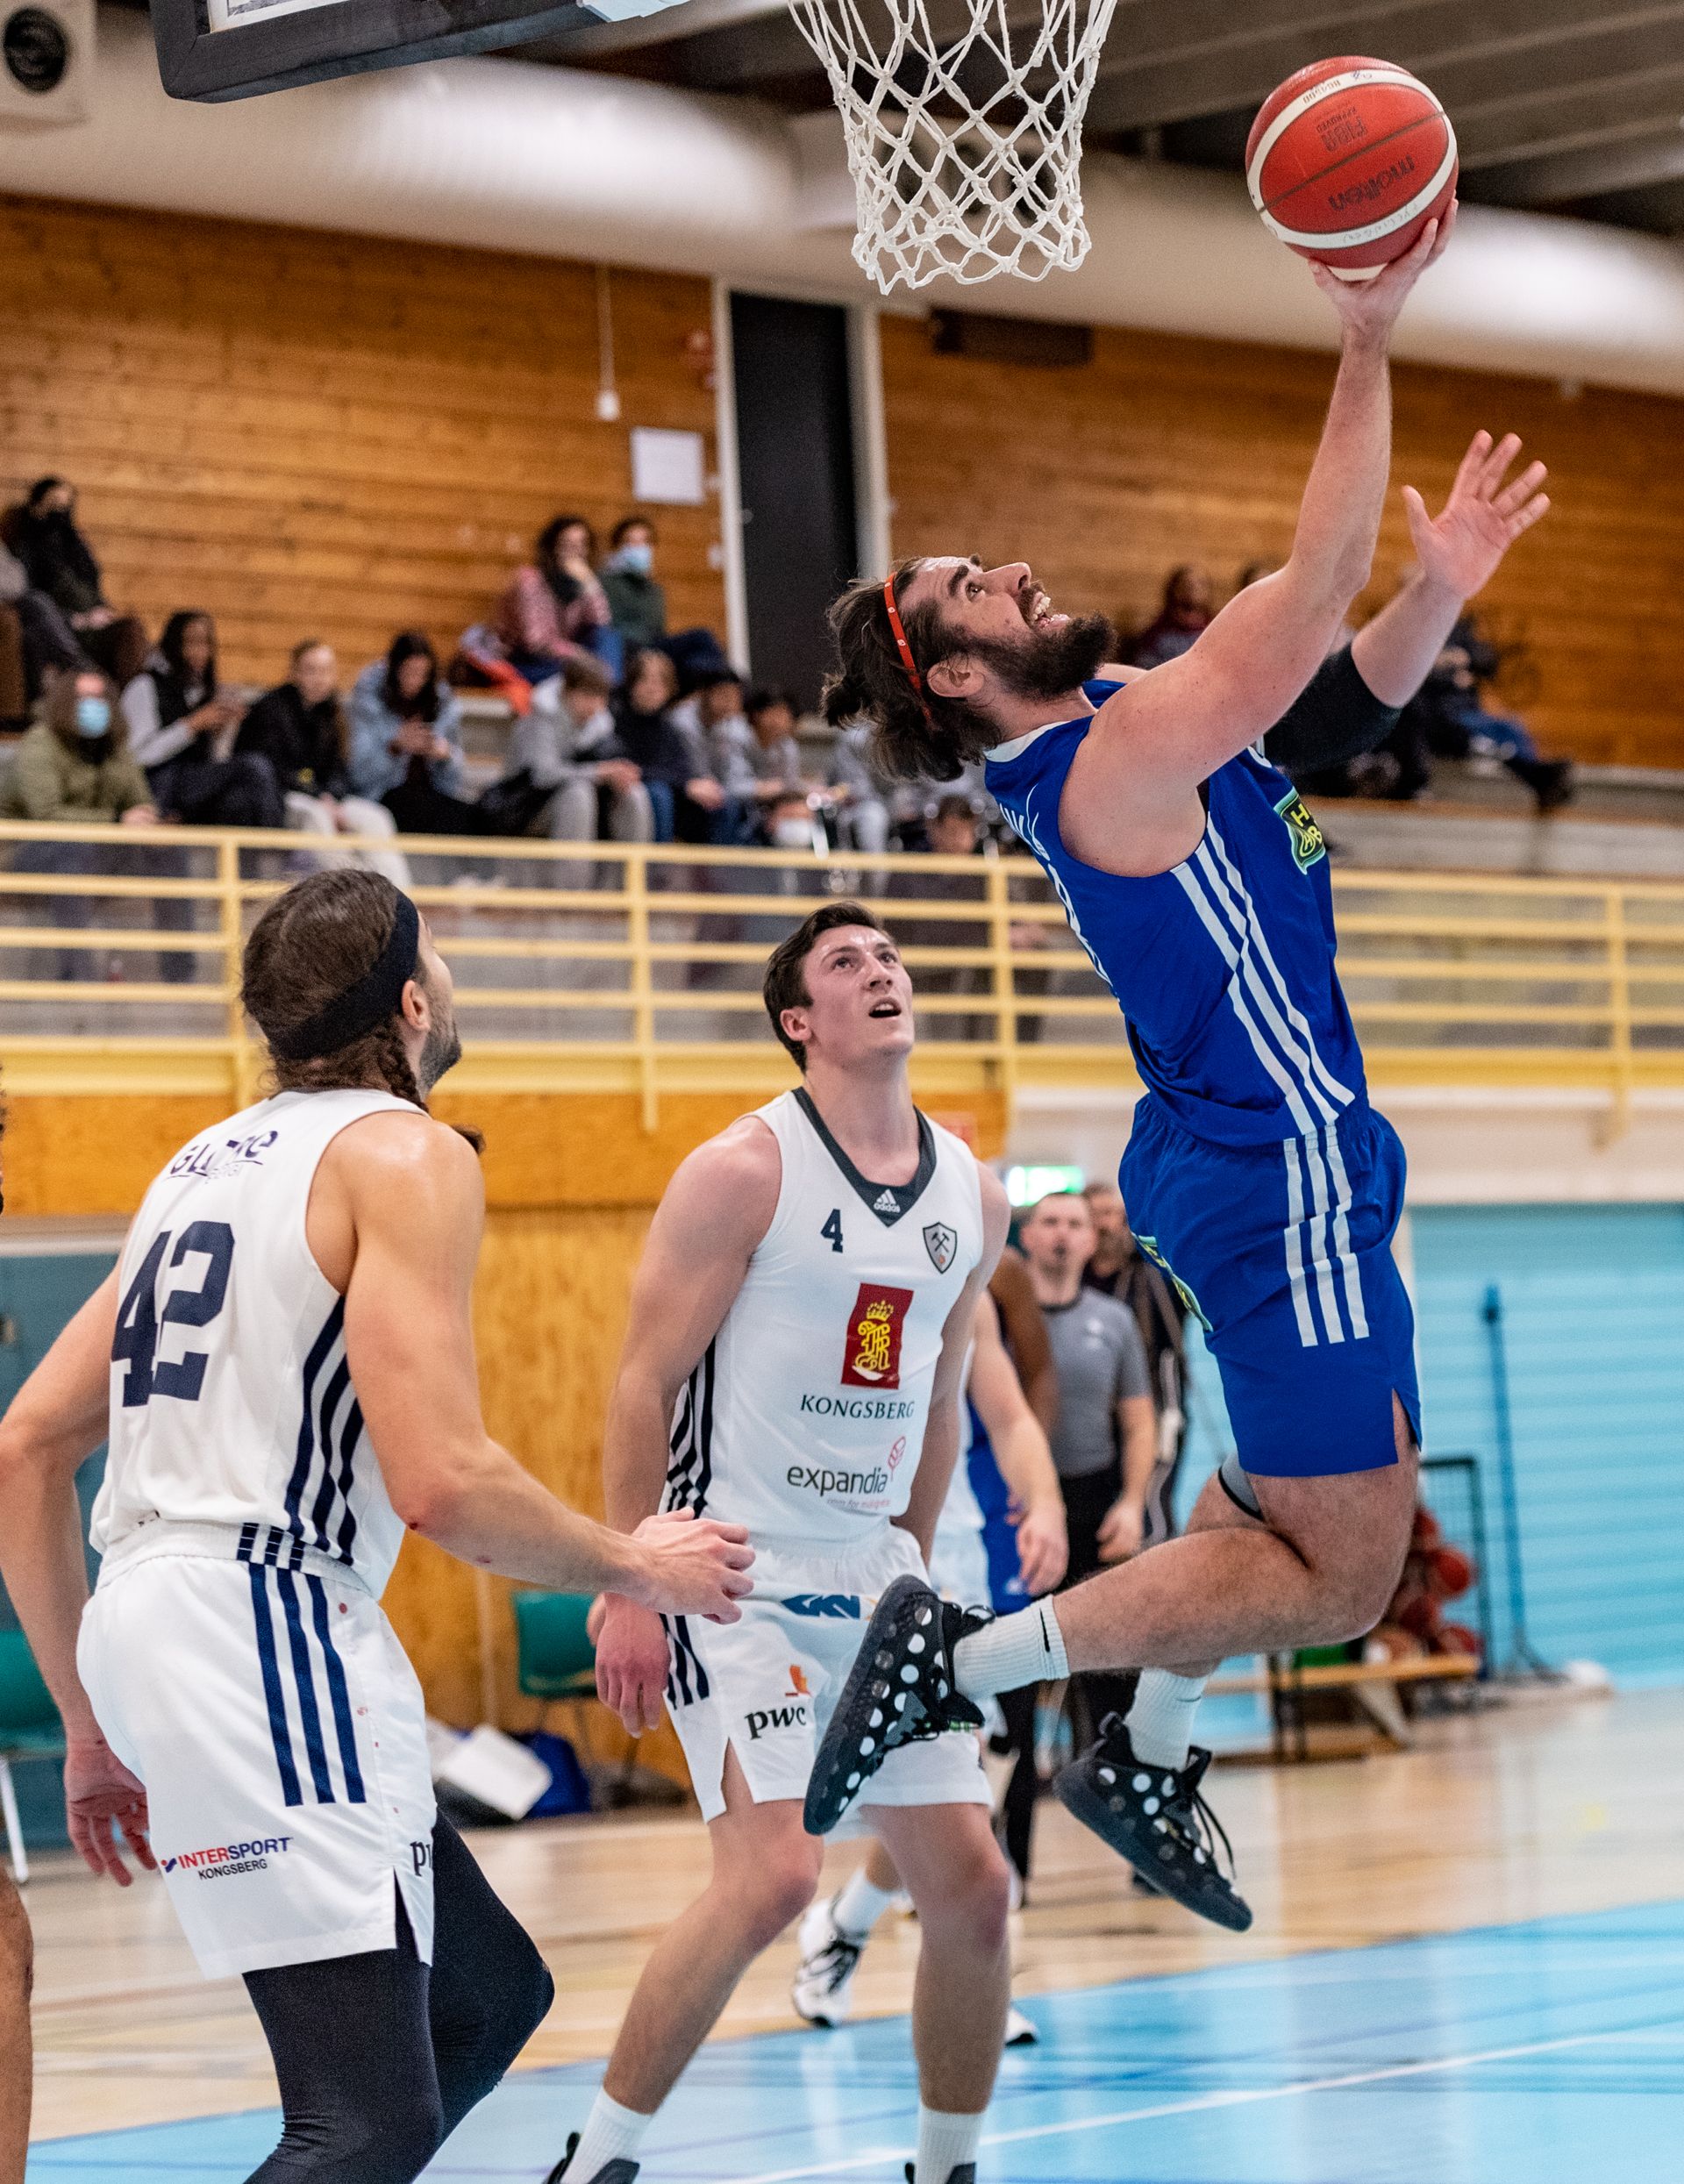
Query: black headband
{"points": [[361, 1007]]}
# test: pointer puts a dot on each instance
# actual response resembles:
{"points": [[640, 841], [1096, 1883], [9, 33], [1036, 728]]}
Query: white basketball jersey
{"points": [[232, 1401], [805, 1420]]}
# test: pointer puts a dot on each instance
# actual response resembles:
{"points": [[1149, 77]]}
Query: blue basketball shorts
{"points": [[1284, 1253]]}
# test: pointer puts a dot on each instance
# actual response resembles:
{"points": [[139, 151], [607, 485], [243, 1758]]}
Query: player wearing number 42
{"points": [[1257, 1174], [284, 1362]]}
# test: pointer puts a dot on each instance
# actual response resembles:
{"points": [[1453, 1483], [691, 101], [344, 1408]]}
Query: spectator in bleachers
{"points": [[180, 729], [1454, 722], [636, 601], [42, 531], [300, 727], [1186, 612], [406, 741], [864, 792], [686, 803], [566, 765], [712, 720], [555, 609], [65, 619], [14, 675], [73, 768]]}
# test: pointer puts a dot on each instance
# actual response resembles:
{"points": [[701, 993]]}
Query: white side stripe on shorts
{"points": [[1331, 1259]]}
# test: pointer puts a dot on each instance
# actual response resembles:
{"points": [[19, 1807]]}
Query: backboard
{"points": [[223, 49]]}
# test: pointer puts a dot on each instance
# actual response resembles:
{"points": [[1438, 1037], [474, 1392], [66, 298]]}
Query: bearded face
{"points": [[1048, 661]]}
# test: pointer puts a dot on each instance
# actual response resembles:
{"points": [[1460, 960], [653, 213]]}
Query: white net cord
{"points": [[965, 153]]}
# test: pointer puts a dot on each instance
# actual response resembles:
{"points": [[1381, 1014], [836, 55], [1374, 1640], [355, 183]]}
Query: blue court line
{"points": [[1547, 2052]]}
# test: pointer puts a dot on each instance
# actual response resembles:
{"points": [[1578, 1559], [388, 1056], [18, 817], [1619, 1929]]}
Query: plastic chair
{"points": [[557, 1662], [30, 1729]]}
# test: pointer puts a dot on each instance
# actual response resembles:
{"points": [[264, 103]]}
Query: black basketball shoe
{"points": [[964, 2174], [620, 2171], [1155, 1818], [899, 1689]]}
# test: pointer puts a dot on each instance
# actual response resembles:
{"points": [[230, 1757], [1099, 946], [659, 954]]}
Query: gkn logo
{"points": [[838, 1606], [223, 1860]]}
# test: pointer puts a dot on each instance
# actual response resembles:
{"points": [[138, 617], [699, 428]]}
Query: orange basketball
{"points": [[1348, 161]]}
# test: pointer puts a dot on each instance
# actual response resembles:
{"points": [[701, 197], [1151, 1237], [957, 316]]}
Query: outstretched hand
{"points": [[1461, 548], [1372, 307], [99, 1790]]}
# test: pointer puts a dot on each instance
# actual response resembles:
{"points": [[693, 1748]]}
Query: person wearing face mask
{"points": [[636, 601], [73, 769], [301, 729], [67, 620]]}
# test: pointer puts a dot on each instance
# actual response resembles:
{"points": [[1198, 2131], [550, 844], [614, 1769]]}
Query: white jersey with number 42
{"points": [[805, 1420], [232, 1402]]}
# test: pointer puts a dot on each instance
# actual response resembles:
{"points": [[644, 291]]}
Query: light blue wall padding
{"points": [[1593, 1303], [38, 1293]]}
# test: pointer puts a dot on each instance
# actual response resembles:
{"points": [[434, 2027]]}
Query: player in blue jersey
{"points": [[1258, 1174]]}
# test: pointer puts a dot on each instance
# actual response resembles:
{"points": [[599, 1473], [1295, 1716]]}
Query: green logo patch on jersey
{"points": [[1308, 842]]}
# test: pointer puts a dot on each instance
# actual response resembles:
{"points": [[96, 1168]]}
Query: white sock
{"points": [[1009, 1652], [1160, 1721], [945, 2142], [611, 2133], [859, 1904]]}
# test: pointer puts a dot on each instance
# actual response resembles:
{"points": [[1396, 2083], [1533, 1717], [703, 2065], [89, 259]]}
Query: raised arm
{"points": [[1020, 1449], [941, 1435], [414, 1195], [1354, 698], [57, 1419], [716, 1209], [1153, 743]]}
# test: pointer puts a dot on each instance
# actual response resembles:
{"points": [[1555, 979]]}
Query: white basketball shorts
{"points": [[765, 1686], [281, 1734]]}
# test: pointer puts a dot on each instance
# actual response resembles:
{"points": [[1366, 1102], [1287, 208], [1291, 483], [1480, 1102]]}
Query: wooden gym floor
{"points": [[1538, 1812]]}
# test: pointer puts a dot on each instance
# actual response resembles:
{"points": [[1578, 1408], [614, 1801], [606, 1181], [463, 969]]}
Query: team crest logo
{"points": [[1149, 1245], [941, 1243], [1308, 842], [871, 1357]]}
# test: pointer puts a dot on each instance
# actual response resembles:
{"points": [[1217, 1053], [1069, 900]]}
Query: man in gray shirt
{"points": [[1105, 1443]]}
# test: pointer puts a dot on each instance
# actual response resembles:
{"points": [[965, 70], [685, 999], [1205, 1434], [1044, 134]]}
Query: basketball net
{"points": [[964, 144]]}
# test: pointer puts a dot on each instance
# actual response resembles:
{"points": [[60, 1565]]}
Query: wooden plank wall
{"points": [[1164, 449], [331, 435]]}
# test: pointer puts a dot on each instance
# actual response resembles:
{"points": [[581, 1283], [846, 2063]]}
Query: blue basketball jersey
{"points": [[1223, 967]]}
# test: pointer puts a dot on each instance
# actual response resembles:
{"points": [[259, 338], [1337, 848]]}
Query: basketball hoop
{"points": [[964, 145]]}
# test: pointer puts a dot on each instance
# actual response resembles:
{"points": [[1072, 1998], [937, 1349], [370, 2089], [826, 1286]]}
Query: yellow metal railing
{"points": [[599, 967]]}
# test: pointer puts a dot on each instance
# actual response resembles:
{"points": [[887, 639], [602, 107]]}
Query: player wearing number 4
{"points": [[284, 1362], [1256, 1172], [793, 1361]]}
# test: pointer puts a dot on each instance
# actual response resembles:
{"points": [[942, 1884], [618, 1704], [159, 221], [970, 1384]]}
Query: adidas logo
{"points": [[886, 1203]]}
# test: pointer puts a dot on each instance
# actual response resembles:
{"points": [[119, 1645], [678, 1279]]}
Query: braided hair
{"points": [[309, 946]]}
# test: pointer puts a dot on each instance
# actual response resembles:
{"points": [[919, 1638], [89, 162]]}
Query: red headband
{"points": [[905, 649]]}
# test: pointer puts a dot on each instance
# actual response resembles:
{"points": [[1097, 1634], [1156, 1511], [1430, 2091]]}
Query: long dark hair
{"points": [[307, 948], [172, 679], [412, 645], [916, 740], [566, 589]]}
